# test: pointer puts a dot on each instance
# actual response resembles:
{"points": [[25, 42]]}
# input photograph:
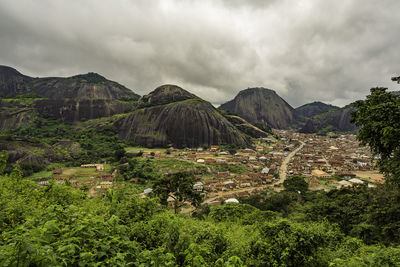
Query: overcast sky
{"points": [[327, 50]]}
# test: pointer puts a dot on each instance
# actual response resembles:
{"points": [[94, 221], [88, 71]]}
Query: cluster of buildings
{"points": [[234, 174], [331, 154], [333, 159], [100, 181], [326, 162]]}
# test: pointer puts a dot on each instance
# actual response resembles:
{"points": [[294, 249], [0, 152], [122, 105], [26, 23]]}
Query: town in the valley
{"points": [[332, 161]]}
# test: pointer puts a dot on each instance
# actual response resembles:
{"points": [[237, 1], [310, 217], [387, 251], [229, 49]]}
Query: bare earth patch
{"points": [[368, 174], [69, 171]]}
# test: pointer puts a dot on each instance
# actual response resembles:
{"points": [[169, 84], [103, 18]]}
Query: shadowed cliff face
{"points": [[80, 87], [81, 97], [260, 105], [190, 122], [12, 82], [16, 118], [70, 111], [335, 121]]}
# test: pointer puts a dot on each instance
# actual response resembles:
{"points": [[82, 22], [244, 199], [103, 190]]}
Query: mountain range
{"points": [[265, 108], [169, 115]]}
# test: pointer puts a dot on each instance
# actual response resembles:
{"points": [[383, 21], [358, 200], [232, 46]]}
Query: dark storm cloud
{"points": [[332, 51]]}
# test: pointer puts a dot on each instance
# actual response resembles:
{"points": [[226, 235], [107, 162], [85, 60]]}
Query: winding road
{"points": [[285, 162]]}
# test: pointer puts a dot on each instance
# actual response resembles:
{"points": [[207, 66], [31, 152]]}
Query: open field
{"points": [[368, 174], [76, 173], [39, 175]]}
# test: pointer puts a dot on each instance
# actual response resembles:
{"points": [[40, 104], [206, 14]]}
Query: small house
{"points": [[231, 200], [214, 148], [201, 161], [57, 171], [265, 170], [356, 181], [148, 191], [198, 186]]}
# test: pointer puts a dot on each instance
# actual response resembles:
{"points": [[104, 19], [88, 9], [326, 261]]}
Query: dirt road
{"points": [[285, 162]]}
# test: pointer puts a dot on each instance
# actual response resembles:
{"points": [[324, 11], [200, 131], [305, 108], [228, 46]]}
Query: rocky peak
{"points": [[255, 90], [12, 82], [313, 109], [261, 106], [8, 71], [166, 94], [91, 77]]}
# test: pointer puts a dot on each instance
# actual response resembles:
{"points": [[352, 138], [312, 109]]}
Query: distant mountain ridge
{"points": [[169, 114], [265, 107]]}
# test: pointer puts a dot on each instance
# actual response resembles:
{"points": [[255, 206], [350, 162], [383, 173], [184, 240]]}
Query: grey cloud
{"points": [[332, 51]]}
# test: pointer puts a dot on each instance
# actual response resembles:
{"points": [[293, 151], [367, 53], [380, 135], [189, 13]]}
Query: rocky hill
{"points": [[261, 106], [84, 86], [247, 127], [72, 99], [13, 83], [336, 120], [307, 111], [313, 109], [171, 115], [164, 95]]}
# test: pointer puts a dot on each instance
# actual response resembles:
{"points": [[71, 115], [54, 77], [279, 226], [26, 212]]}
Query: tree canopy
{"points": [[179, 187], [396, 79], [295, 184], [379, 119]]}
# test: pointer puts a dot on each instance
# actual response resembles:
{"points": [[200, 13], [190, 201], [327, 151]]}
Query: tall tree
{"points": [[379, 119], [295, 184], [179, 187]]}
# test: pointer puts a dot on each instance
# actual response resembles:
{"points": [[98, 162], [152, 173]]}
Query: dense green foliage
{"points": [[372, 215], [144, 170], [3, 161], [230, 168], [94, 143], [56, 225], [295, 184]]}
